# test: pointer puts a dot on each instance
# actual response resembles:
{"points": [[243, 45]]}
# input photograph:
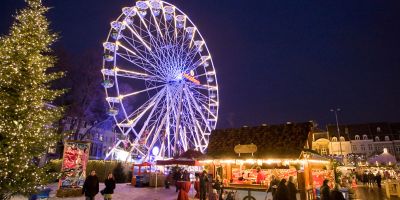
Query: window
{"points": [[323, 151], [370, 147], [377, 138], [362, 147], [397, 148], [354, 147], [341, 138], [346, 130], [357, 137], [334, 139], [378, 129], [365, 137], [387, 138], [51, 150]]}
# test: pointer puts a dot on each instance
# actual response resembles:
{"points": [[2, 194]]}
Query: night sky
{"points": [[276, 61]]}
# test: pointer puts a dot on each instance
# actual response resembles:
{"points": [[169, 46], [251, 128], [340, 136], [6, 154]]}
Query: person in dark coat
{"points": [[110, 186], [203, 185], [91, 186], [273, 185], [282, 191], [365, 178], [292, 191], [325, 190], [371, 179], [336, 194], [378, 179]]}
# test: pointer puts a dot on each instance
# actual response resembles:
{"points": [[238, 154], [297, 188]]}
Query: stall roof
{"points": [[178, 161], [191, 154], [273, 141]]}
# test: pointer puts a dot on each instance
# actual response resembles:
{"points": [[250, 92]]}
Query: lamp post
{"points": [[336, 110]]}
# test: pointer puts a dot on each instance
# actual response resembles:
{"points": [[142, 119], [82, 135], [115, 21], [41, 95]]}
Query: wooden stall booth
{"points": [[247, 159], [141, 174]]}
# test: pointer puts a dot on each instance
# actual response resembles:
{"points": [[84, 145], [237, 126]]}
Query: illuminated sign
{"points": [[191, 78]]}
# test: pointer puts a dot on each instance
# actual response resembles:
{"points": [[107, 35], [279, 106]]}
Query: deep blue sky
{"points": [[276, 61]]}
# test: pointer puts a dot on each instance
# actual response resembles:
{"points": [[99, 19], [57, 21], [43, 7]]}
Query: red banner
{"points": [[75, 158]]}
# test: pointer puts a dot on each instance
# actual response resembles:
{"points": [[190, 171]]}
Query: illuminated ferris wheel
{"points": [[160, 81]]}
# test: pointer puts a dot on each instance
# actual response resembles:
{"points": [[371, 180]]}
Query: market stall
{"points": [[247, 158], [141, 174], [188, 160]]}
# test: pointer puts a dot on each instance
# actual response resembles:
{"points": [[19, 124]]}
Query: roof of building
{"points": [[272, 141], [372, 130], [319, 135]]}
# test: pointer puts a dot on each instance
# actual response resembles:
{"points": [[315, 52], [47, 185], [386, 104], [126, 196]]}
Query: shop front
{"points": [[251, 161]]}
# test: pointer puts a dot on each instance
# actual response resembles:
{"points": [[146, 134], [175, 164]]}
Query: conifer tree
{"points": [[26, 114]]}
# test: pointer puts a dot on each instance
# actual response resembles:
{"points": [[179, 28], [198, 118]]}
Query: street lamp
{"points": [[338, 129]]}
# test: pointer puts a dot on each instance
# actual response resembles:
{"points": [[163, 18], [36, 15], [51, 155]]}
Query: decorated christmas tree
{"points": [[26, 114]]}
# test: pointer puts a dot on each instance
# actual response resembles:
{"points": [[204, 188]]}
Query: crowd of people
{"points": [[282, 190], [368, 178], [328, 194]]}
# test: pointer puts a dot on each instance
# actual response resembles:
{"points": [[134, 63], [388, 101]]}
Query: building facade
{"points": [[101, 138], [362, 139]]}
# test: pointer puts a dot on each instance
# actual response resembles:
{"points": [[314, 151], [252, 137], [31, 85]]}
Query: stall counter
{"points": [[256, 191]]}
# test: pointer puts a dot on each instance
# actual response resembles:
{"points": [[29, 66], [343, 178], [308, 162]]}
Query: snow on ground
{"points": [[127, 191]]}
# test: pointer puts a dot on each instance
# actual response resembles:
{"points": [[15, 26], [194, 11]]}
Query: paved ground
{"points": [[128, 192], [372, 193]]}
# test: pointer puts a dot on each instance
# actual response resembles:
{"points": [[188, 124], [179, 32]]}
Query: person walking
{"points": [[365, 178], [91, 186], [203, 185], [336, 194], [282, 191], [186, 175], [273, 185], [378, 179], [217, 187], [354, 183], [110, 186], [325, 190], [177, 177], [371, 179], [292, 190]]}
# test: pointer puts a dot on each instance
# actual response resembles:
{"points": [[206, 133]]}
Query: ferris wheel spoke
{"points": [[202, 61], [204, 87], [156, 62], [144, 43], [126, 57], [146, 123], [156, 134], [155, 22], [136, 75], [138, 113], [197, 107], [139, 54], [152, 40], [141, 91], [137, 50], [194, 120]]}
